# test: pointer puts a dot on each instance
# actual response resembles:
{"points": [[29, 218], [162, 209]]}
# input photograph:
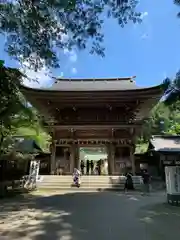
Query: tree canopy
{"points": [[37, 30], [164, 119], [13, 108]]}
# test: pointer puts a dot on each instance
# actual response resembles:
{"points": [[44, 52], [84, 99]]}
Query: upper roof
{"points": [[97, 92], [91, 85], [167, 143], [94, 84]]}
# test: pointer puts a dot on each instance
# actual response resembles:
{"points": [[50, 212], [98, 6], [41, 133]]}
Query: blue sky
{"points": [[150, 51]]}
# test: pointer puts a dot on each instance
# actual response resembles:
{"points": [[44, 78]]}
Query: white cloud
{"points": [[145, 36], [74, 70], [144, 14], [61, 75], [71, 54], [66, 51], [36, 79], [64, 37]]}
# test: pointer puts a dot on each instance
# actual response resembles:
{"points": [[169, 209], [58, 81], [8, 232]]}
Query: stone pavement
{"points": [[89, 216]]}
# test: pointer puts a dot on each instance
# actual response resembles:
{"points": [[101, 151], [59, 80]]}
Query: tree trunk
{"points": [[1, 142]]}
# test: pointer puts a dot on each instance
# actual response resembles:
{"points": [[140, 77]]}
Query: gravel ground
{"points": [[89, 216]]}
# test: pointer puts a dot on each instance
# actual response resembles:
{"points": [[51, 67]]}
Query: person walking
{"points": [[92, 166], [82, 165], [129, 182], [87, 167], [146, 182], [99, 167]]}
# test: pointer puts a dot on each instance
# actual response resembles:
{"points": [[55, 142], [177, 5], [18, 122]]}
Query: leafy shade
{"points": [[37, 30]]}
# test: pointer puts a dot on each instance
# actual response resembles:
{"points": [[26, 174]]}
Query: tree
{"points": [[37, 30], [164, 119], [13, 109]]}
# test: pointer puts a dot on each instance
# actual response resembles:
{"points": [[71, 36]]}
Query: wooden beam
{"points": [[95, 127], [100, 141]]}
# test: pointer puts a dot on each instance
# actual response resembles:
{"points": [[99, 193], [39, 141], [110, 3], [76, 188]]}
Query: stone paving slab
{"points": [[89, 215]]}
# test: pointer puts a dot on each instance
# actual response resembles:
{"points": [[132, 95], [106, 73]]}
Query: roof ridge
{"points": [[131, 79], [166, 136]]}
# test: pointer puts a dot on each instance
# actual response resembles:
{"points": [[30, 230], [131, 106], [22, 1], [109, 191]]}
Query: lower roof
{"points": [[166, 143]]}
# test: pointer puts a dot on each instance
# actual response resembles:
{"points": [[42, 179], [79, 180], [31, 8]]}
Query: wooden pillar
{"points": [[53, 157], [112, 158], [109, 159], [72, 157], [110, 152], [77, 160], [132, 160]]}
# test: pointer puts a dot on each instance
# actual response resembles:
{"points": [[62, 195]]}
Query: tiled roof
{"points": [[94, 85], [26, 146], [166, 143]]}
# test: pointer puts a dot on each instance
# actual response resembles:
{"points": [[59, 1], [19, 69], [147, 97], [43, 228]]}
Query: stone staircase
{"points": [[88, 183]]}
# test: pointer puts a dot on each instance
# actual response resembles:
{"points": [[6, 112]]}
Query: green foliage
{"points": [[13, 109], [164, 119], [35, 29], [35, 132]]}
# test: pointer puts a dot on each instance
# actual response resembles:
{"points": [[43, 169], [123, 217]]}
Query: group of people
{"points": [[146, 179], [90, 167]]}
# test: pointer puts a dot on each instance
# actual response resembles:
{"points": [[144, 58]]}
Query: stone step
{"points": [[87, 182], [84, 177], [87, 178], [84, 189], [84, 186], [84, 182]]}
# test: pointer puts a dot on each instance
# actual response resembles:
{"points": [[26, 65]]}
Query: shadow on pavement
{"points": [[80, 215]]}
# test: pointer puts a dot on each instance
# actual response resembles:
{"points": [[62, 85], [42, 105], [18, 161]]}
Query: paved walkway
{"points": [[90, 216]]}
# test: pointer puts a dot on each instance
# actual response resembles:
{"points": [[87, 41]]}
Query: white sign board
{"points": [[34, 169], [172, 179]]}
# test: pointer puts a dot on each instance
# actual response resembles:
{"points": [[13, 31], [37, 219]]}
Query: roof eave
{"points": [[25, 89]]}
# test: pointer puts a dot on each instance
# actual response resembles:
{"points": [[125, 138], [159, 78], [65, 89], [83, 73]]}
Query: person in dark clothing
{"points": [[99, 167], [82, 165], [146, 181], [92, 166], [87, 167], [129, 182]]}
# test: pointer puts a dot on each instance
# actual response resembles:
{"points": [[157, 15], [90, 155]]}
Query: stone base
{"points": [[173, 199]]}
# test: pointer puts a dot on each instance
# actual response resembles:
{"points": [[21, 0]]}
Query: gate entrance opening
{"points": [[93, 160]]}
